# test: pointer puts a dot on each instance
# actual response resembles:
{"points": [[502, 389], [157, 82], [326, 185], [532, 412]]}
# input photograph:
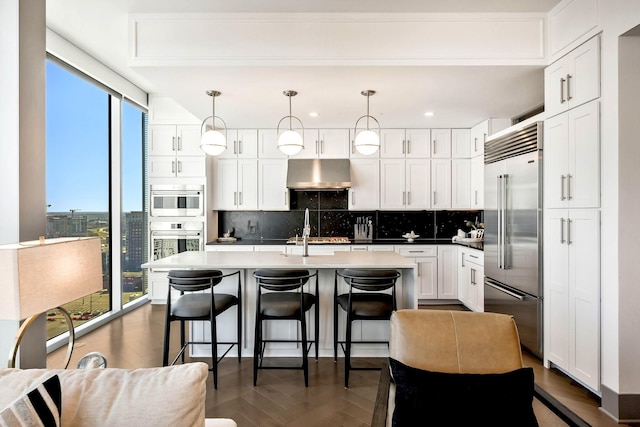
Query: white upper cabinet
{"points": [[174, 151], [477, 182], [441, 184], [404, 184], [273, 194], [572, 158], [484, 129], [268, 145], [460, 183], [241, 144], [440, 143], [325, 144], [365, 184], [401, 143], [461, 143], [236, 184], [574, 79]]}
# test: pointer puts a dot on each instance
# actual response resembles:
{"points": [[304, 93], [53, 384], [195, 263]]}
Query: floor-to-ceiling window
{"points": [[84, 121], [134, 216]]}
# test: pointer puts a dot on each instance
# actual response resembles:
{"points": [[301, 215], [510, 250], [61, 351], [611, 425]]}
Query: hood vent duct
{"points": [[318, 174]]}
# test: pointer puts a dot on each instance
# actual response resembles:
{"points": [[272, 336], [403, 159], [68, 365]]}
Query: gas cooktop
{"points": [[320, 240]]}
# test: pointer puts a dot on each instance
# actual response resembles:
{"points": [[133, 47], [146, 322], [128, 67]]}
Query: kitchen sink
{"points": [[320, 240]]}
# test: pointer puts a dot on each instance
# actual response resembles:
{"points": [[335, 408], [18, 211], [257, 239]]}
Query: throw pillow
{"points": [[435, 398], [39, 407]]}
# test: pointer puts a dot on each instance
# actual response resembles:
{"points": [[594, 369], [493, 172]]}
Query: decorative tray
{"points": [[227, 239], [467, 239]]}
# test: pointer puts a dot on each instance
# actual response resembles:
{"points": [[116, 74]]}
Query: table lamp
{"points": [[44, 274]]}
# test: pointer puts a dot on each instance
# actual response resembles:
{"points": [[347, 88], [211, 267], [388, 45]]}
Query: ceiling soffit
{"points": [[336, 39]]}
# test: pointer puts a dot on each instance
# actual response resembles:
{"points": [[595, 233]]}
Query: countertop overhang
{"points": [[423, 241], [242, 260]]}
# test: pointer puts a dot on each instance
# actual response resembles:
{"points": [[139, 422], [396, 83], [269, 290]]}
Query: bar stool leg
{"points": [[305, 359], [347, 352], [256, 350], [167, 334], [182, 338]]}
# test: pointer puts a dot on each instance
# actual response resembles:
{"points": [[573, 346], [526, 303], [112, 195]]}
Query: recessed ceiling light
{"points": [[313, 114], [429, 113]]}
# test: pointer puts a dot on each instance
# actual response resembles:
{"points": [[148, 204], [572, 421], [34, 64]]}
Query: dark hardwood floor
{"points": [[280, 398]]}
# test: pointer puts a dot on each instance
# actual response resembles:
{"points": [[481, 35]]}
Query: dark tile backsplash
{"points": [[329, 217]]}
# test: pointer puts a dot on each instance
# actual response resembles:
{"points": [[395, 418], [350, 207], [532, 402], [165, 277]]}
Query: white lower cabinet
{"points": [[471, 278], [437, 270], [572, 293]]}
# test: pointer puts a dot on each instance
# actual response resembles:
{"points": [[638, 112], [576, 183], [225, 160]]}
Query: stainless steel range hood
{"points": [[318, 174]]}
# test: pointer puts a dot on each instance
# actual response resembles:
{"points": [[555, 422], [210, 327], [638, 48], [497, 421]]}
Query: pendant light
{"points": [[213, 141], [290, 142], [367, 141]]}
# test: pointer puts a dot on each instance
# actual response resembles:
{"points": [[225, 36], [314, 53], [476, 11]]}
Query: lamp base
{"points": [[13, 354]]}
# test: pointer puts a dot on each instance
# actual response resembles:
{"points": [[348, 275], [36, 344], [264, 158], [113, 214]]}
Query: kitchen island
{"points": [[248, 262]]}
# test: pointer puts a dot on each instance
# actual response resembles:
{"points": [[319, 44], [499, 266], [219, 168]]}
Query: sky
{"points": [[78, 146]]}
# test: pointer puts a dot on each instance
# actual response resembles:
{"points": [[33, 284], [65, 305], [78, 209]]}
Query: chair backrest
{"points": [[281, 280], [455, 341], [194, 280], [370, 280]]}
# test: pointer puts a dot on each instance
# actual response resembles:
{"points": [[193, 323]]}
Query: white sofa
{"points": [[169, 396]]}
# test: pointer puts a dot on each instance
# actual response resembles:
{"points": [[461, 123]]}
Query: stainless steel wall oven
{"points": [[169, 238], [177, 200]]}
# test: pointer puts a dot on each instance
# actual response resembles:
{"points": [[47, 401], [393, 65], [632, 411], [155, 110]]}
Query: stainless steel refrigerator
{"points": [[513, 230]]}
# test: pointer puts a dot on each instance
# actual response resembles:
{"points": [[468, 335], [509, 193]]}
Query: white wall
{"points": [[620, 316]]}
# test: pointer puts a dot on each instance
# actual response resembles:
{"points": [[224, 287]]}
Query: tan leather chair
{"points": [[455, 342]]}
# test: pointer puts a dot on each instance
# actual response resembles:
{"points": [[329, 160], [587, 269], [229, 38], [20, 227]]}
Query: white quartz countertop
{"points": [[251, 260]]}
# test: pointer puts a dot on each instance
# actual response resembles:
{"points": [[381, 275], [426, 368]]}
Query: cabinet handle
{"points": [[562, 178], [235, 198], [353, 147], [561, 231], [476, 197], [419, 272], [569, 97], [286, 194], [322, 146], [434, 198], [408, 146], [173, 143], [408, 198], [179, 166], [562, 100], [179, 143], [240, 146], [473, 256], [235, 147], [568, 187], [434, 146], [316, 146], [173, 166], [569, 231], [404, 144], [462, 259], [475, 143], [416, 252], [353, 198], [240, 197], [359, 249], [473, 276]]}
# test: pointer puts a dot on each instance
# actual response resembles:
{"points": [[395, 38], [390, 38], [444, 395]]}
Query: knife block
{"points": [[363, 232]]}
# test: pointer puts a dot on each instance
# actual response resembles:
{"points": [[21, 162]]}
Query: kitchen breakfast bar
{"points": [[326, 265]]}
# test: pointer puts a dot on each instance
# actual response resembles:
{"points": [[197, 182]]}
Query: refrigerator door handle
{"points": [[503, 290], [499, 215], [503, 232]]}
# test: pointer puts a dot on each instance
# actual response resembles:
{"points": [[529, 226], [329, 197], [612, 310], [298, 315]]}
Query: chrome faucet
{"points": [[306, 232]]}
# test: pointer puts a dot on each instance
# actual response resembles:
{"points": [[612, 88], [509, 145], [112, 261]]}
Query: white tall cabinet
{"points": [[571, 231]]}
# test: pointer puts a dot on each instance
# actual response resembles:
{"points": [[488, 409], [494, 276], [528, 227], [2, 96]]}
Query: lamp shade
{"points": [[367, 142], [213, 142], [290, 142], [37, 277]]}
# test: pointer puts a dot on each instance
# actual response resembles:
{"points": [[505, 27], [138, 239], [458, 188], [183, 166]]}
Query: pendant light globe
{"points": [[290, 142], [212, 141], [367, 141]]}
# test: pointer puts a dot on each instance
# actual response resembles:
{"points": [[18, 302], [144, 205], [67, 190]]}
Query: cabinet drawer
{"points": [[473, 257], [419, 251]]}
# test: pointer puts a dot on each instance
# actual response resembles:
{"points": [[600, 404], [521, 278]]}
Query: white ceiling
{"points": [[460, 96]]}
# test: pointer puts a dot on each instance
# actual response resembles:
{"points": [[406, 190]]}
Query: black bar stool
{"points": [[193, 304], [372, 303], [286, 300]]}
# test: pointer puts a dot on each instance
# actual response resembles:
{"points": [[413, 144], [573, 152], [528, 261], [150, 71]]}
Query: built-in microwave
{"points": [[169, 238], [177, 200]]}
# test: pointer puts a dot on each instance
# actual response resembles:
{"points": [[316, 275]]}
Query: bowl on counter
{"points": [[410, 236]]}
